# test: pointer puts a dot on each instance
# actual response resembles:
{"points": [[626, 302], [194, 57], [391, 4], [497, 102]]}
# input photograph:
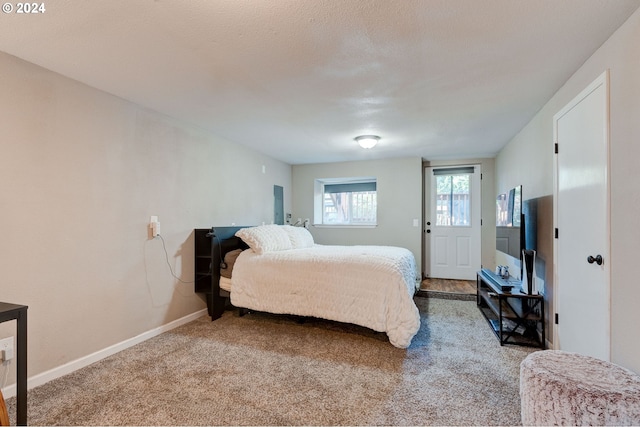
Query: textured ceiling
{"points": [[299, 79]]}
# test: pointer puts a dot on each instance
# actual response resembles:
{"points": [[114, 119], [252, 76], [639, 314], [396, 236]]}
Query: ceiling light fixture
{"points": [[367, 141]]}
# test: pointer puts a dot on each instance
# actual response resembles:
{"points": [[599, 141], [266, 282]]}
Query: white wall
{"points": [[621, 55], [399, 189], [81, 172]]}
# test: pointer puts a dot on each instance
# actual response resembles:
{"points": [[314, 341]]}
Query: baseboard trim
{"points": [[74, 365]]}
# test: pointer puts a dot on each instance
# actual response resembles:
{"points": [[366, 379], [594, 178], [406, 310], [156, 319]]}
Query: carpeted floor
{"points": [[270, 370]]}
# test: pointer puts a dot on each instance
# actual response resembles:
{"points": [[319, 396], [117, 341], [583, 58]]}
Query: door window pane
{"points": [[453, 200]]}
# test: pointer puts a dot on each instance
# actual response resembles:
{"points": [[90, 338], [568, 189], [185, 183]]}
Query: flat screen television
{"points": [[510, 230], [516, 224]]}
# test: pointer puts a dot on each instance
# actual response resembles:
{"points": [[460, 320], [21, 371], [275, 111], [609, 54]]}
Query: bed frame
{"points": [[211, 245]]}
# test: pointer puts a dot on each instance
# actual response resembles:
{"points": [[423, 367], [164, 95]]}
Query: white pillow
{"points": [[265, 238], [299, 236]]}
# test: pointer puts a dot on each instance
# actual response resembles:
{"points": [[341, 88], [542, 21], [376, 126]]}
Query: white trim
{"points": [[74, 365], [429, 210], [601, 81], [318, 200]]}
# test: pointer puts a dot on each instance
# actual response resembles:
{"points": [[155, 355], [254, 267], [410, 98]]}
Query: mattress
{"points": [[225, 283]]}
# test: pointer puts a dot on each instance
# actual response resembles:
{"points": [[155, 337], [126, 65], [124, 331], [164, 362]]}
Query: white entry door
{"points": [[581, 212], [453, 225]]}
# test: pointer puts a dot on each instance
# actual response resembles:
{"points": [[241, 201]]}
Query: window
{"points": [[346, 201], [453, 197]]}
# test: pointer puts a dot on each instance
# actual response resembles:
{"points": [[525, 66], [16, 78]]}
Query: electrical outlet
{"points": [[6, 349], [154, 225]]}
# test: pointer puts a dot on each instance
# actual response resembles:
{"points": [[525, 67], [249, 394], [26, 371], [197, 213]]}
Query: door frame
{"points": [[601, 80], [426, 209]]}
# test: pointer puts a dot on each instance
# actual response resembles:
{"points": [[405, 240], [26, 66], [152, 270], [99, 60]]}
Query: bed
{"points": [[281, 270]]}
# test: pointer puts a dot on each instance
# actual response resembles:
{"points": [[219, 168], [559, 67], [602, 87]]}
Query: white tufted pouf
{"points": [[562, 388]]}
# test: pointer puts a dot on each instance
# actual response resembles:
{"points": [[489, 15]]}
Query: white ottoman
{"points": [[562, 388]]}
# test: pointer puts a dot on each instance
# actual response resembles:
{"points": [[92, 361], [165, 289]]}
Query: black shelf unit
{"points": [[203, 257], [207, 272], [515, 317], [210, 246]]}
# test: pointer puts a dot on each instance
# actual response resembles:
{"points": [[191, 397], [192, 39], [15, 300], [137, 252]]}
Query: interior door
{"points": [[453, 224], [581, 211]]}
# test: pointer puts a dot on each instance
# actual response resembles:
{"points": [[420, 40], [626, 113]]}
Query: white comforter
{"points": [[370, 286]]}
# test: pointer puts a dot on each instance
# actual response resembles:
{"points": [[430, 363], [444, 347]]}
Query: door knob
{"points": [[597, 259]]}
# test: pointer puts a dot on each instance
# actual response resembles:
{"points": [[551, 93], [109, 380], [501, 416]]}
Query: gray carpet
{"points": [[270, 370]]}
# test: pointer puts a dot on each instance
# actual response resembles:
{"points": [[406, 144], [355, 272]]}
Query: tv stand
{"points": [[515, 317]]}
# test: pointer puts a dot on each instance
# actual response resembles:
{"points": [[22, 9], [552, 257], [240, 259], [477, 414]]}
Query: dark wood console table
{"points": [[515, 317], [19, 314]]}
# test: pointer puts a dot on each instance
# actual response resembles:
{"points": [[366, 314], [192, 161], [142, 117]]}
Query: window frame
{"points": [[319, 201]]}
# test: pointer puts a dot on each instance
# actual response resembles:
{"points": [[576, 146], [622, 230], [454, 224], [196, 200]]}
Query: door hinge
{"points": [[556, 233], [480, 177], [556, 319], [480, 223], [556, 148]]}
